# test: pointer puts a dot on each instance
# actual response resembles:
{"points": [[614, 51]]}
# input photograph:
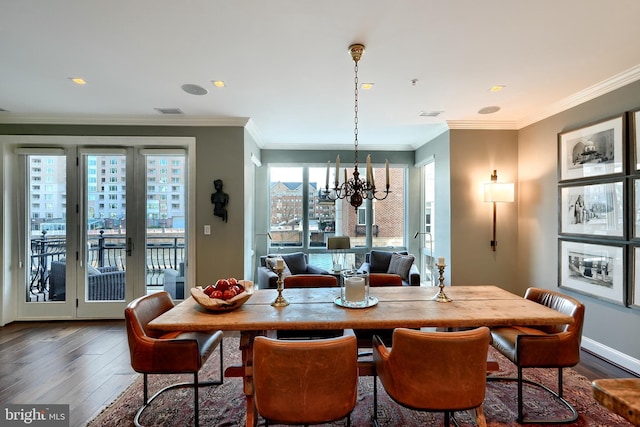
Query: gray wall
{"points": [[609, 328], [474, 156]]}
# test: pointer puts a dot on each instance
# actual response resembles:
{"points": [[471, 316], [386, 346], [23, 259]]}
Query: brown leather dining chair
{"points": [[310, 281], [305, 381], [433, 371], [154, 352], [543, 347]]}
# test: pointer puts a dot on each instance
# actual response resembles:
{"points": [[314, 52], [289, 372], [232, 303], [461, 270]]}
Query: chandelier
{"points": [[355, 190]]}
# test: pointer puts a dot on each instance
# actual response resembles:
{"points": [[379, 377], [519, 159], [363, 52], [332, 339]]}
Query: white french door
{"points": [[107, 267], [99, 226]]}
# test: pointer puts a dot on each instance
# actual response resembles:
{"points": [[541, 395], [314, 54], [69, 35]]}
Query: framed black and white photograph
{"points": [[634, 296], [592, 269], [593, 209], [592, 151], [635, 136], [635, 192]]}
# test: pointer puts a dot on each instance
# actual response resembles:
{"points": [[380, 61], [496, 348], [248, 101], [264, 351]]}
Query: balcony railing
{"points": [[162, 252]]}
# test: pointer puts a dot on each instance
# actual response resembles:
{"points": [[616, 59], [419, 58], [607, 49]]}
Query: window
{"points": [[285, 212], [427, 239], [362, 215], [298, 204]]}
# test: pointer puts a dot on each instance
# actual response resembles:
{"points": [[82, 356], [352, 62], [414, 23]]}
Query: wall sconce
{"points": [[496, 192]]}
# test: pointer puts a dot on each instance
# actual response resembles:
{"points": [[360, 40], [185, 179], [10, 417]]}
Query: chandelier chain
{"points": [[355, 110], [356, 189]]}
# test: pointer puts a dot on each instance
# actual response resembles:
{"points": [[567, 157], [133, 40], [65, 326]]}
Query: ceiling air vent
{"points": [[169, 110], [430, 113]]}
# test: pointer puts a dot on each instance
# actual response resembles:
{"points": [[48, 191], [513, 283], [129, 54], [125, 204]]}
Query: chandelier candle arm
{"points": [[328, 166], [386, 165]]}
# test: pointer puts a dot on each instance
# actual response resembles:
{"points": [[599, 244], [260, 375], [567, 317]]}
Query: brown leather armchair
{"points": [[154, 352], [305, 382], [434, 371], [543, 347]]}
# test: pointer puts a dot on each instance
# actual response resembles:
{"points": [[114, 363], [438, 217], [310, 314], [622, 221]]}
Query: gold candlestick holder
{"points": [[441, 296], [280, 301]]}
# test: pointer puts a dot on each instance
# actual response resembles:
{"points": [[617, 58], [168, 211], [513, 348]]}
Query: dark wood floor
{"points": [[86, 364]]}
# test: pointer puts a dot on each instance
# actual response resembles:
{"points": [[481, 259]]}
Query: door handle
{"points": [[129, 246]]}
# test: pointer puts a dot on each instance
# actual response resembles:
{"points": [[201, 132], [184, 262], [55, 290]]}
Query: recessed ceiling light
{"points": [[489, 110], [194, 89], [496, 88], [218, 83], [366, 86], [78, 80]]}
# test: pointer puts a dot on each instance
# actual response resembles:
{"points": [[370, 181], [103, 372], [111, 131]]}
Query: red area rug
{"points": [[224, 405]]}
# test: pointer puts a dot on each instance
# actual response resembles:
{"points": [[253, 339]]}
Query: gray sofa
{"points": [[378, 262], [104, 283], [298, 263]]}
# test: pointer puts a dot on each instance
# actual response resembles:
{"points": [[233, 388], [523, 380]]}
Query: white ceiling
{"points": [[288, 73]]}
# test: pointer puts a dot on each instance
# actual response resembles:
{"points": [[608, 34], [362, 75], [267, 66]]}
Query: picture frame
{"points": [[635, 208], [593, 209], [595, 150], [634, 132], [634, 294], [593, 269]]}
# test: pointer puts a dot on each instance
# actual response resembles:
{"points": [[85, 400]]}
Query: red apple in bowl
{"points": [[222, 284]]}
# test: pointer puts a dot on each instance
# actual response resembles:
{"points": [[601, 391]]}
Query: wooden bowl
{"points": [[215, 304]]}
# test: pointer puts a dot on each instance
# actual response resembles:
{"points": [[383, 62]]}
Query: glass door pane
{"points": [[46, 204], [105, 205], [165, 223]]}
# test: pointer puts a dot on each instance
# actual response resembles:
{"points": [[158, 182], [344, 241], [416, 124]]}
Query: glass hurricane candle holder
{"points": [[355, 288]]}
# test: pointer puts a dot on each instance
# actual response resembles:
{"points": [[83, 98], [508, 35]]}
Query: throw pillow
{"points": [[272, 263], [296, 262], [379, 261], [400, 265]]}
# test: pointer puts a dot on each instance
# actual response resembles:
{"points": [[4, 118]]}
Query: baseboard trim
{"points": [[614, 356]]}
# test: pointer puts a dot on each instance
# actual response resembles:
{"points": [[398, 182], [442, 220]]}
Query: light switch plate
{"points": [[207, 229]]}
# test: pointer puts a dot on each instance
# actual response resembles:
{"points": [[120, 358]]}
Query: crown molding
{"points": [[616, 82], [252, 130], [141, 120]]}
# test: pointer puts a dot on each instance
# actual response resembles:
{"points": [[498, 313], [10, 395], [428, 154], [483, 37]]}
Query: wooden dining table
{"points": [[620, 395], [316, 309]]}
